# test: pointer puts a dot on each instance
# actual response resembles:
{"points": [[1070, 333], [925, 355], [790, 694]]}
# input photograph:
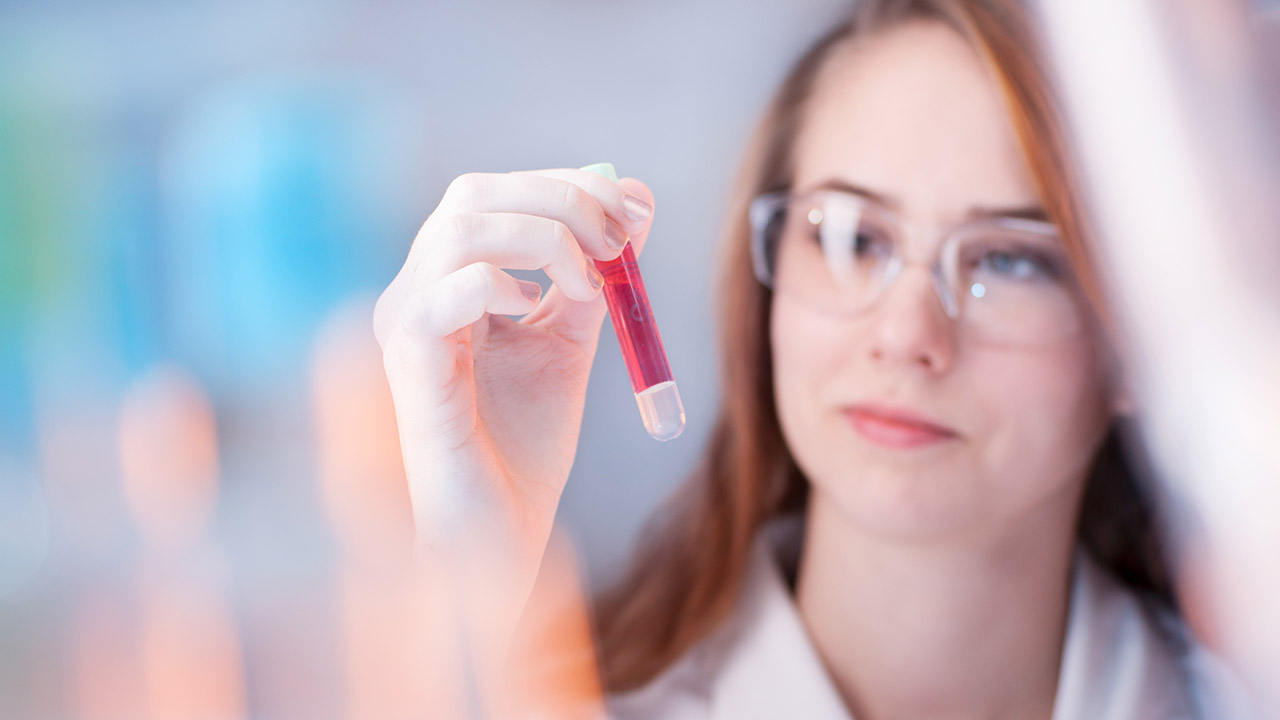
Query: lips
{"points": [[896, 427]]}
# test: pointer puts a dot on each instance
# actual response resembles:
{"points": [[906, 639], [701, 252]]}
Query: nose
{"points": [[910, 326]]}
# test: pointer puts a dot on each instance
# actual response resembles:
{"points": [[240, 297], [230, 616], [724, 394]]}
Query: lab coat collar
{"points": [[1116, 664]]}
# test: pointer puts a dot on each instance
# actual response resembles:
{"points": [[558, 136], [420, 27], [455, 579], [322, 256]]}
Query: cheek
{"points": [[806, 354], [1047, 412]]}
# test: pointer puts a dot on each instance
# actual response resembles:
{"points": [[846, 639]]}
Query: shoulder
{"points": [[1216, 691], [1126, 656]]}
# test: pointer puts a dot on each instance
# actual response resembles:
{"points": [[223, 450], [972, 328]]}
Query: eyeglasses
{"points": [[1007, 280]]}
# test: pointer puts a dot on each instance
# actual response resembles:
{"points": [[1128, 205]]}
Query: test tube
{"points": [[651, 378]]}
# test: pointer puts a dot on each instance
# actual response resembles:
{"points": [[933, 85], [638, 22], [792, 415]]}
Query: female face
{"points": [[913, 115]]}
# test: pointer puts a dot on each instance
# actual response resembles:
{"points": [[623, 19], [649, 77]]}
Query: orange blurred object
{"points": [[385, 608], [552, 669], [169, 457], [163, 643]]}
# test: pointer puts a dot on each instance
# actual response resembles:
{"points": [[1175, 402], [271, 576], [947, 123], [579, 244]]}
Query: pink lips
{"points": [[897, 428]]}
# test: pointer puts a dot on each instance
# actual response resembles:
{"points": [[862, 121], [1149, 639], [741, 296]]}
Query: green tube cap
{"points": [[605, 169]]}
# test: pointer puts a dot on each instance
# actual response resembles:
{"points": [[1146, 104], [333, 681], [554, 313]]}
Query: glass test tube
{"points": [[651, 379]]}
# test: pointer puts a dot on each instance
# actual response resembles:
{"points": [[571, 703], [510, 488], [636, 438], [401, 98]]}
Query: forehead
{"points": [[913, 112]]}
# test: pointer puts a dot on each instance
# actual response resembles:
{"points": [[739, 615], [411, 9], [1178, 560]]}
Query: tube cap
{"points": [[605, 169]]}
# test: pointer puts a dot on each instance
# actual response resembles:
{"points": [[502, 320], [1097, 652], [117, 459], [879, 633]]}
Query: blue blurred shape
{"points": [[273, 211]]}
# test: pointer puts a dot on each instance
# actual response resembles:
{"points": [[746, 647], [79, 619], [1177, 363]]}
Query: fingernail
{"points": [[594, 276], [531, 290], [636, 208], [615, 237]]}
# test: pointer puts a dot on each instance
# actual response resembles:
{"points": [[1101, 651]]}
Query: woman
{"points": [[913, 503]]}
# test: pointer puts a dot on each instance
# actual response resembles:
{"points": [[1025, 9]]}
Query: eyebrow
{"points": [[846, 186], [1026, 212]]}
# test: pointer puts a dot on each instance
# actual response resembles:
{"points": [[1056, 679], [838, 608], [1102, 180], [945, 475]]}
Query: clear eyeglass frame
{"points": [[945, 268]]}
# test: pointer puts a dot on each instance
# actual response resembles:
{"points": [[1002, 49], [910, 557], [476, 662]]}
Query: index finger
{"points": [[631, 211]]}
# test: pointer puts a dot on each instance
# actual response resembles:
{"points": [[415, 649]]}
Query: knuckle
{"points": [[458, 234], [461, 227], [467, 281], [580, 202], [468, 189], [484, 278], [562, 238]]}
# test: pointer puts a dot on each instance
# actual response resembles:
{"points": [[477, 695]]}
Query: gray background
{"points": [[668, 91]]}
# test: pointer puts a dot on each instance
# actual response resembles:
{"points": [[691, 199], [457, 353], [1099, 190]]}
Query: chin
{"points": [[906, 507]]}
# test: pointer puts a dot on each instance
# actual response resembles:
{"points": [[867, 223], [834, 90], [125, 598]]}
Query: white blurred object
{"points": [[1166, 104]]}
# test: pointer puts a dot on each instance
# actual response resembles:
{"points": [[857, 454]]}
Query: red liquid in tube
{"points": [[647, 365]]}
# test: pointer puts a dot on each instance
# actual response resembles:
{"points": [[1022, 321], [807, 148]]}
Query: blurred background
{"points": [[199, 203]]}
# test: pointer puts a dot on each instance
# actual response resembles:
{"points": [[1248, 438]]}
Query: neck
{"points": [[964, 629]]}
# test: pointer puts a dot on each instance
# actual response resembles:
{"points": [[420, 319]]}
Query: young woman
{"points": [[913, 503]]}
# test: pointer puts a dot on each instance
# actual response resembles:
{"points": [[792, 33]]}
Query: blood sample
{"points": [[651, 379]]}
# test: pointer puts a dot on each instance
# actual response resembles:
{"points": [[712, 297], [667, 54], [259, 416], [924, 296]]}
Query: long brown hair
{"points": [[685, 577]]}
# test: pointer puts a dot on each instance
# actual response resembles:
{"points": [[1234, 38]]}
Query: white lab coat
{"points": [[1121, 661]]}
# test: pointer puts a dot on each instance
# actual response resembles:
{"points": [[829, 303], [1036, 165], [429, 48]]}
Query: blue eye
{"points": [[1018, 265], [867, 241]]}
